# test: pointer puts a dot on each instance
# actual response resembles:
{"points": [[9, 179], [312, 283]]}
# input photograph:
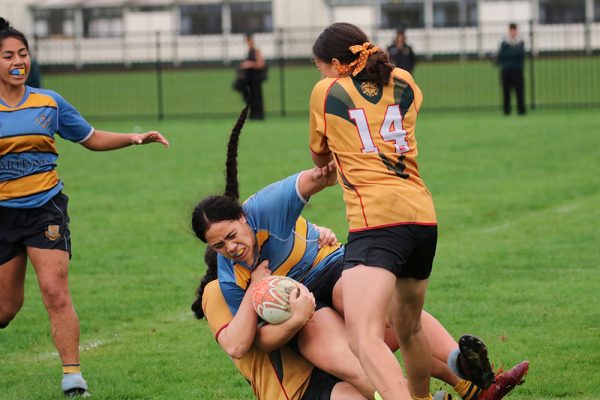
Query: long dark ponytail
{"points": [[218, 208]]}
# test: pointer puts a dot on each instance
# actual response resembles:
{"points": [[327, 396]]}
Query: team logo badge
{"points": [[369, 89], [42, 121], [52, 232]]}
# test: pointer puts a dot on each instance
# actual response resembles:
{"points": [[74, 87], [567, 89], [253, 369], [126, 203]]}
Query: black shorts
{"points": [[405, 250], [322, 286], [45, 227], [320, 385]]}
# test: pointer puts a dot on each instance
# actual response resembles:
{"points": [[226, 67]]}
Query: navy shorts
{"points": [[322, 285], [405, 250], [320, 385], [45, 227]]}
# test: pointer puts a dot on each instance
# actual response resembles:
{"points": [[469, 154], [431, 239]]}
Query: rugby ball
{"points": [[271, 298]]}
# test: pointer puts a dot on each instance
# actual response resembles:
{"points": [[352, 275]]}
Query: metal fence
{"points": [[165, 75]]}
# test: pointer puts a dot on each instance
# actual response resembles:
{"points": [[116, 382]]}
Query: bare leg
{"points": [[12, 283], [324, 342], [366, 316], [405, 314], [345, 391], [52, 268]]}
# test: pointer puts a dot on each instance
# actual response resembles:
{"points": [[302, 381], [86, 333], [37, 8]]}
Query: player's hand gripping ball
{"points": [[271, 298]]}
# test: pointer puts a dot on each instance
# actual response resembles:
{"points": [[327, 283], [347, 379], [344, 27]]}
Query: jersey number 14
{"points": [[391, 129]]}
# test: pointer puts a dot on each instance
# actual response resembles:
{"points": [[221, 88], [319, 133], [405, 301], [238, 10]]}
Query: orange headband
{"points": [[365, 50]]}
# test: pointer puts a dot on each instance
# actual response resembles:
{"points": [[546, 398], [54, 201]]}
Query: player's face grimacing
{"points": [[14, 62], [233, 239]]}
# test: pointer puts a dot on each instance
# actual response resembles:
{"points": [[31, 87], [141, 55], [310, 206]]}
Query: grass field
{"points": [[449, 85], [517, 264]]}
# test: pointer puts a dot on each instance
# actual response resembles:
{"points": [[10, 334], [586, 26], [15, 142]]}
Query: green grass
{"points": [[517, 263], [448, 85]]}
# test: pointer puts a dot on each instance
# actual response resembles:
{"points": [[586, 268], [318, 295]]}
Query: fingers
{"points": [[150, 137]]}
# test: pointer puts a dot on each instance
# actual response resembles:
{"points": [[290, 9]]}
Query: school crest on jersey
{"points": [[52, 232], [369, 89]]}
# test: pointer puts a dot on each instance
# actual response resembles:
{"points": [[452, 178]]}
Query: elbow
{"points": [[237, 350], [267, 347]]}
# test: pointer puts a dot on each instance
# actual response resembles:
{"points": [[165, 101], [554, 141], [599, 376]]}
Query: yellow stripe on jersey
{"points": [[33, 101], [242, 276], [24, 143], [298, 250], [28, 185], [324, 252]]}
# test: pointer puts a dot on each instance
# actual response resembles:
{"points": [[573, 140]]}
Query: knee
{"points": [[56, 299]]}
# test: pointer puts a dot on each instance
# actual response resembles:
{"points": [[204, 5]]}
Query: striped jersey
{"points": [[370, 129], [283, 237], [28, 155], [279, 374]]}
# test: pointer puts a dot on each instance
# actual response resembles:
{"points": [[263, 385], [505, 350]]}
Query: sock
{"points": [[71, 369], [467, 390], [377, 396], [454, 364]]}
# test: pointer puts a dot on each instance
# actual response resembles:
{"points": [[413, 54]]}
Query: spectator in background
{"points": [[511, 59], [401, 54], [35, 75], [253, 72]]}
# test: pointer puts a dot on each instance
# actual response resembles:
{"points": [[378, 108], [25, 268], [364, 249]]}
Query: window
{"points": [[562, 11], [597, 10], [102, 22], [54, 22], [201, 19], [251, 17], [446, 15], [402, 15]]}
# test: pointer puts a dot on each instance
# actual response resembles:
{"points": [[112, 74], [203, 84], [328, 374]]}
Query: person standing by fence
{"points": [[253, 71], [511, 59], [401, 54]]}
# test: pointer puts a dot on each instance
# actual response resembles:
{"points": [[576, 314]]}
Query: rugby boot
{"points": [[473, 361], [505, 382]]}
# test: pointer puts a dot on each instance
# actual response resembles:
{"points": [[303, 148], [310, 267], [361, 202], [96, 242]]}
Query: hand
{"points": [[260, 272], [302, 304], [326, 236], [149, 137], [327, 173], [246, 64]]}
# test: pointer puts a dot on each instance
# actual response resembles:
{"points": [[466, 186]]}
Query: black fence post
{"points": [[531, 66], [159, 83], [281, 61]]}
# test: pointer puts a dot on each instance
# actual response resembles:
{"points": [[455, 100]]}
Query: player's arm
{"points": [[316, 179], [104, 140], [319, 148], [321, 160], [237, 338], [270, 337]]}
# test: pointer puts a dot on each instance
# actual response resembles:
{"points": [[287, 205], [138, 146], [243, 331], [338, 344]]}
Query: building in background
{"points": [[129, 31]]}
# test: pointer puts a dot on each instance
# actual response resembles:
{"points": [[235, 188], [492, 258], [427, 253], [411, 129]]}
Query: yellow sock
{"points": [[467, 390], [377, 396], [71, 368]]}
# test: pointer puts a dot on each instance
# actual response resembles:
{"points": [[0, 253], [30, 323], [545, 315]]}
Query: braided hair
{"points": [[218, 208]]}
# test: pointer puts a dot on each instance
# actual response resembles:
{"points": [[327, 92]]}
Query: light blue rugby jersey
{"points": [[28, 155], [283, 237]]}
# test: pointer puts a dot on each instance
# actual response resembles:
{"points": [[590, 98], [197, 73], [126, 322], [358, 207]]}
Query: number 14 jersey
{"points": [[370, 129]]}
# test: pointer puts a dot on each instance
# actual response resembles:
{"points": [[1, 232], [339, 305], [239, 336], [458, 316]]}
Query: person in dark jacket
{"points": [[401, 54], [253, 70], [511, 59]]}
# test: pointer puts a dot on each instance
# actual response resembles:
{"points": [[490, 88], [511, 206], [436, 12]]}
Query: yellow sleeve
{"points": [[318, 140], [406, 76], [215, 308]]}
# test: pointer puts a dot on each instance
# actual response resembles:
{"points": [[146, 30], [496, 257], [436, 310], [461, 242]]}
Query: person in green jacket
{"points": [[511, 59]]}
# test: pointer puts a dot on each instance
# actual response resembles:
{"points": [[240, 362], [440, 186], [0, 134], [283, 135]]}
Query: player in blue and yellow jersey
{"points": [[34, 222], [267, 236], [363, 116]]}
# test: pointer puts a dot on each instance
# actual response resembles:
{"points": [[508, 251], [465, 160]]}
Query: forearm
{"points": [[239, 335], [104, 140], [271, 337]]}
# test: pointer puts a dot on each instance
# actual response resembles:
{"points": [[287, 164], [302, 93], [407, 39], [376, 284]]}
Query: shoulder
{"points": [[47, 92], [321, 88], [399, 73]]}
